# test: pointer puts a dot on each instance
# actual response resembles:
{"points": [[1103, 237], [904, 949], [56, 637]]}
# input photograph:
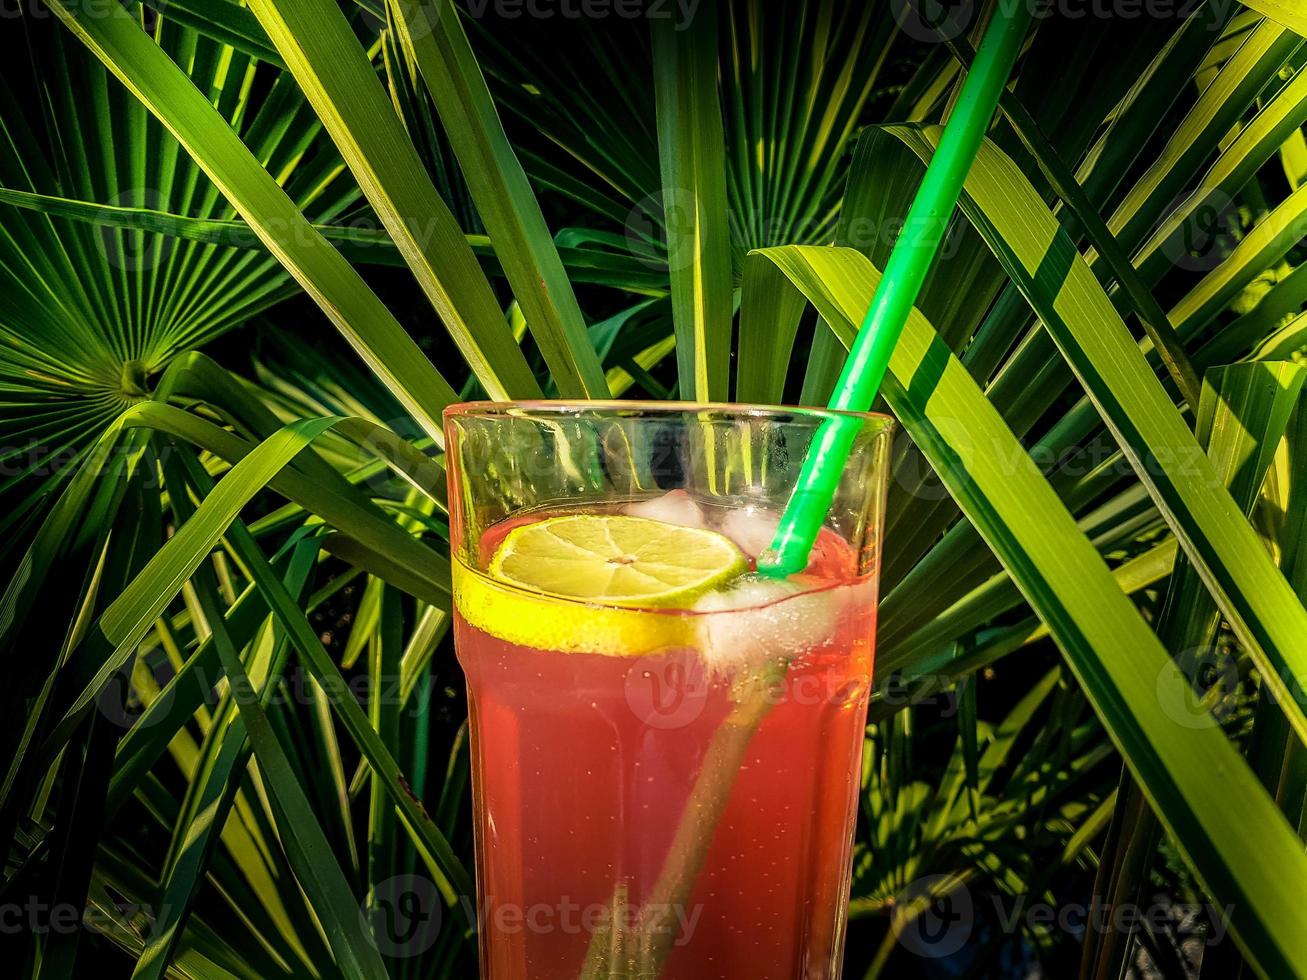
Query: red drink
{"points": [[584, 765]]}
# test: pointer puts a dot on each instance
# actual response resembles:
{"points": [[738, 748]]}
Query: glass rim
{"points": [[544, 407]]}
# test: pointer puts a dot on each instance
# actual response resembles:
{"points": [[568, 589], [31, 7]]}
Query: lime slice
{"points": [[594, 583], [623, 561]]}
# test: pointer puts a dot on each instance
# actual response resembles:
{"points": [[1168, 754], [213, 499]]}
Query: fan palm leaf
{"points": [[1048, 386], [91, 315]]}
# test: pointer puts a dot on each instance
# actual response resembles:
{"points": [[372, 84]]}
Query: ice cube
{"points": [[758, 620], [751, 528], [674, 507]]}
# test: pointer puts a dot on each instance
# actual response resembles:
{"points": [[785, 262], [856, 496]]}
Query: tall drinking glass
{"points": [[664, 787]]}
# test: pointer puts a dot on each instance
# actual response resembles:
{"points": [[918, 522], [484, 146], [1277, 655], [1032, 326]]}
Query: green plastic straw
{"points": [[910, 260]]}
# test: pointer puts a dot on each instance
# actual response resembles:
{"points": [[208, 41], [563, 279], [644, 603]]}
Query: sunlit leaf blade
{"points": [[145, 744], [435, 41], [372, 540], [316, 867], [225, 21], [1159, 327], [90, 316], [212, 793], [435, 848], [1080, 317], [1287, 12], [1257, 60], [365, 246], [120, 627], [332, 68], [1118, 661], [1264, 245], [86, 763], [141, 602], [1257, 141], [123, 623], [384, 714], [1275, 751], [320, 270], [1242, 417], [691, 151]]}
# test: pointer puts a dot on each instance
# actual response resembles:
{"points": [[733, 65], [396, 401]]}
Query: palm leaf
{"points": [[1161, 448], [357, 312], [336, 75], [1243, 416], [91, 315], [1136, 131], [365, 246], [435, 41], [691, 151], [1283, 11], [1118, 661]]}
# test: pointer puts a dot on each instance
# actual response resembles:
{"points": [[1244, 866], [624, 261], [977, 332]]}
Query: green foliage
{"points": [[205, 551]]}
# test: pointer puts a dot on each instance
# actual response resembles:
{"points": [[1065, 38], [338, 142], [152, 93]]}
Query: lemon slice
{"points": [[616, 560], [596, 583]]}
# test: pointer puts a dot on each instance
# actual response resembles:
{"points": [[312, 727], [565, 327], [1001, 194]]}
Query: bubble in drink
{"points": [[594, 722]]}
